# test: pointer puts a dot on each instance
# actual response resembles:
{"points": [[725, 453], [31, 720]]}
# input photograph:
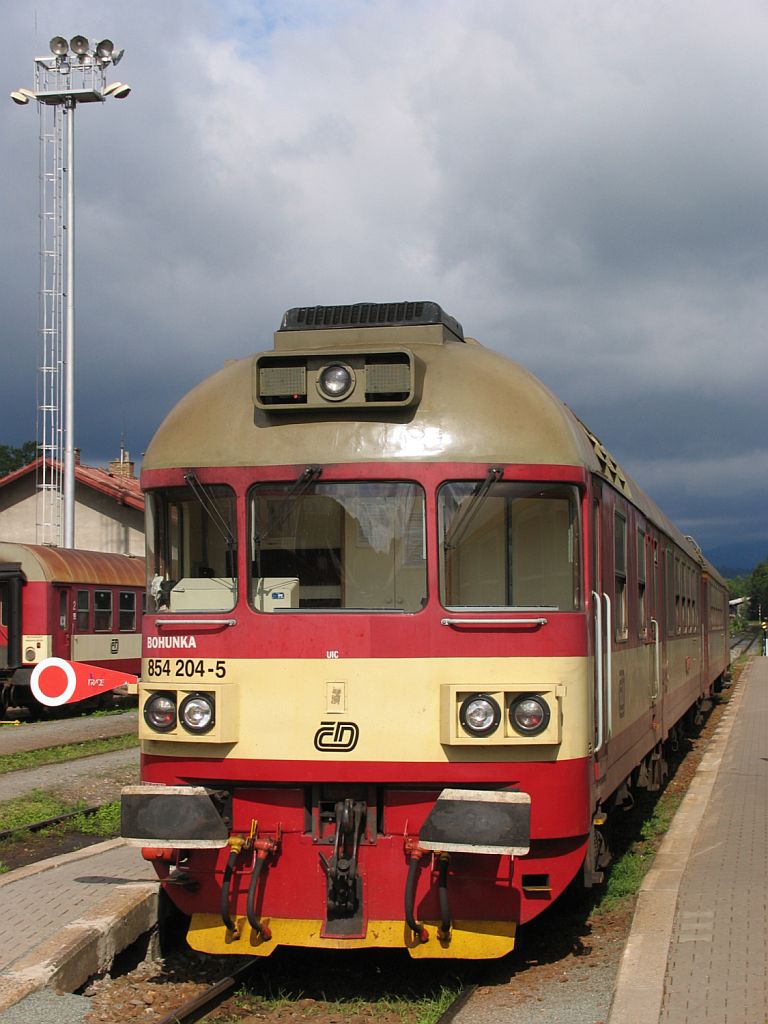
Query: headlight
{"points": [[197, 712], [30, 654], [480, 714], [529, 715], [336, 381], [160, 712]]}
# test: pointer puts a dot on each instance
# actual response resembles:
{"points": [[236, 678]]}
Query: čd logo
{"points": [[338, 736]]}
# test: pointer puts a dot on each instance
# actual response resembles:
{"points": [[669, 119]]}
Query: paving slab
{"points": [[64, 919], [696, 951]]}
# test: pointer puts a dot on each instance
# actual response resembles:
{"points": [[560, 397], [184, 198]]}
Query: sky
{"points": [[581, 184]]}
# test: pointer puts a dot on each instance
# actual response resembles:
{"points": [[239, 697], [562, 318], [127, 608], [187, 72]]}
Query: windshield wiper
{"points": [[209, 506], [466, 513], [301, 485]]}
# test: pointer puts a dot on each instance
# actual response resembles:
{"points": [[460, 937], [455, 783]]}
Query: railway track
{"points": [[744, 643], [197, 1008], [59, 819]]}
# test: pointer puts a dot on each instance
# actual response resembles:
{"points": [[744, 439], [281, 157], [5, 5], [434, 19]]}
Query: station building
{"points": [[109, 507]]}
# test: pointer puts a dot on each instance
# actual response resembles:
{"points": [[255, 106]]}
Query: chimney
{"points": [[122, 466]]}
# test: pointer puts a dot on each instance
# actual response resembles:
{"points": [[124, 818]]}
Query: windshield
{"points": [[338, 546], [191, 549], [514, 545]]}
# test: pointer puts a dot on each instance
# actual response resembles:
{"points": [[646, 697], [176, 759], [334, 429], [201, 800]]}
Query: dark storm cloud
{"points": [[580, 184]]}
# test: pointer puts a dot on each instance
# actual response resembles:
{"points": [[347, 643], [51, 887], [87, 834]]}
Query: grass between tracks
{"points": [[27, 759], [38, 806], [288, 1005]]}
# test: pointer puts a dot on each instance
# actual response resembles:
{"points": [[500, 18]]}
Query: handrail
{"points": [[608, 667], [195, 622], [656, 661], [599, 668], [494, 622]]}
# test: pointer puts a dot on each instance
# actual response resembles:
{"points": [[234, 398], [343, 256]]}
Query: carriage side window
{"points": [[191, 548], [620, 573], [678, 596], [641, 582], [509, 545], [669, 590], [355, 546], [83, 611], [102, 611], [127, 611]]}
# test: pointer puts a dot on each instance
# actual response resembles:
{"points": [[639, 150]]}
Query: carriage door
{"points": [[5, 602], [62, 624], [11, 582], [601, 625], [656, 632]]}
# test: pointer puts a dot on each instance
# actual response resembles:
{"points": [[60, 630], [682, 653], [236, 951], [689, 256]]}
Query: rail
{"points": [[458, 1004], [38, 826], [200, 1006]]}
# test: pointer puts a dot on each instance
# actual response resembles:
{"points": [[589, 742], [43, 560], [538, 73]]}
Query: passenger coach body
{"points": [[66, 603], [413, 632]]}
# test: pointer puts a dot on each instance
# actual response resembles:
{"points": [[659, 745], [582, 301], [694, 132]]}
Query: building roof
{"points": [[125, 490]]}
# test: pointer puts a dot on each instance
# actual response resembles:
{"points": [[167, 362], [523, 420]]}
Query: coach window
{"points": [[620, 573], [509, 546], [191, 548], [641, 582], [83, 611], [127, 611], [102, 611], [356, 546], [669, 590]]}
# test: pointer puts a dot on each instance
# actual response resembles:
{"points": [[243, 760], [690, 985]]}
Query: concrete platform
{"points": [[696, 951], [64, 919]]}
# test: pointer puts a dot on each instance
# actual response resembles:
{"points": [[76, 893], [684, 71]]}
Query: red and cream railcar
{"points": [[66, 603], [414, 632]]}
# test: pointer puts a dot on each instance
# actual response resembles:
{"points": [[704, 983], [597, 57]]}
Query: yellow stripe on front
{"points": [[468, 940], [398, 709]]}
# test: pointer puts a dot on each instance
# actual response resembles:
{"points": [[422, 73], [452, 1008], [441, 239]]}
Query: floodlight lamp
{"points": [[117, 89], [79, 45], [18, 97], [104, 49], [59, 46], [117, 56]]}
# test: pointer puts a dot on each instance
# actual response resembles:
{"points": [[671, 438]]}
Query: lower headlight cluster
{"points": [[529, 714], [160, 712], [480, 714], [196, 713]]}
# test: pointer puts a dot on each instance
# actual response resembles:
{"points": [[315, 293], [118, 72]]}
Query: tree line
{"points": [[15, 457], [754, 586]]}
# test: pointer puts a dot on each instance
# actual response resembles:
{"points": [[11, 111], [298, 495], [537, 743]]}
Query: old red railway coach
{"points": [[413, 634], [66, 603]]}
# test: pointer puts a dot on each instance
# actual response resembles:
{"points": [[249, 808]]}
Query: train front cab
{"points": [[391, 703], [601, 666]]}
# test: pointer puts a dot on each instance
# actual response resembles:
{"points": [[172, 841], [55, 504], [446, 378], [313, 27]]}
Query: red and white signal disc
{"points": [[46, 682], [55, 681]]}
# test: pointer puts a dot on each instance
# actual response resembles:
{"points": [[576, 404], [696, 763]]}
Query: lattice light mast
{"points": [[75, 73]]}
